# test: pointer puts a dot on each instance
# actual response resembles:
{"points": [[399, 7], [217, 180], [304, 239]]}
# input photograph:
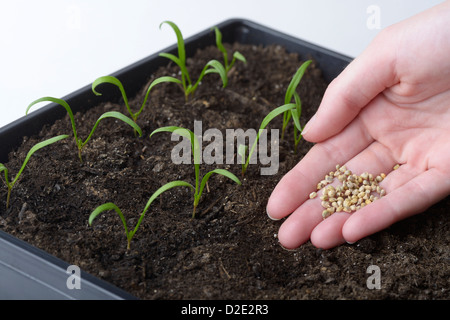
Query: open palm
{"points": [[390, 106]]}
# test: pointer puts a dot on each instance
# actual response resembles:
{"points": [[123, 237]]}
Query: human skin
{"points": [[390, 106]]}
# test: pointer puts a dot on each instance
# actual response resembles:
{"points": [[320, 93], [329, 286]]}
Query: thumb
{"points": [[361, 81]]}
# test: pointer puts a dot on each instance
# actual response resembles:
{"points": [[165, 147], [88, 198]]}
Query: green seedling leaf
{"points": [[185, 133], [180, 40], [117, 115], [295, 81], [181, 59], [79, 142], [212, 66], [236, 55], [111, 206], [118, 83], [62, 103], [269, 117], [291, 91], [296, 113], [40, 145], [222, 172], [242, 151]]}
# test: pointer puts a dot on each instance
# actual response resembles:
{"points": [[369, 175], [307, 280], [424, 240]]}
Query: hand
{"points": [[390, 105]]}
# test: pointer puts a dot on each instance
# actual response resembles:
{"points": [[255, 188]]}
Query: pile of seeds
{"points": [[354, 193]]}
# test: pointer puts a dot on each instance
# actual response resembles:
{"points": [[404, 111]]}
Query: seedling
{"points": [[212, 66], [111, 206], [236, 55], [10, 184], [80, 143], [294, 113], [118, 83], [242, 150], [199, 185]]}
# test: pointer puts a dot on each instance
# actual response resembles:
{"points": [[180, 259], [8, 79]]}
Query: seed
{"points": [[325, 204], [353, 194], [325, 214], [312, 195], [396, 166]]}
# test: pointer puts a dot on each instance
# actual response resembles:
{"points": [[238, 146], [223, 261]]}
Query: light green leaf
{"points": [[107, 207], [223, 172], [219, 41], [61, 103], [269, 117], [35, 148], [295, 81], [154, 83], [296, 113], [212, 66], [185, 133], [217, 67], [117, 115], [161, 190], [242, 150], [277, 111], [178, 62], [239, 56], [180, 40]]}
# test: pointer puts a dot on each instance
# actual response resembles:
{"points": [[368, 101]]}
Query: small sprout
{"points": [[212, 66], [199, 186], [294, 113], [271, 115], [236, 55], [10, 184], [111, 206], [80, 143], [242, 152], [117, 83]]}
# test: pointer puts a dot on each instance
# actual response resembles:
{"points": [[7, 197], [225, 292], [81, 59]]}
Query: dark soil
{"points": [[230, 250]]}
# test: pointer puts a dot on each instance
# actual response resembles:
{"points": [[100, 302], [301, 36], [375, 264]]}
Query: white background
{"points": [[54, 47]]}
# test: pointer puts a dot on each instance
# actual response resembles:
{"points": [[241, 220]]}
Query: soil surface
{"points": [[230, 250]]}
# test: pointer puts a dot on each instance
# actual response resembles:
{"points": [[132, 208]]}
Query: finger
{"points": [[362, 80], [297, 228], [326, 234], [411, 198], [294, 188]]}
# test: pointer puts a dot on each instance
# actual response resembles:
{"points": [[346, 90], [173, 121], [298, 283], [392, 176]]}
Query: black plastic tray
{"points": [[29, 273]]}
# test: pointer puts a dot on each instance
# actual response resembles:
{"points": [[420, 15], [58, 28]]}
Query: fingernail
{"points": [[267, 211], [308, 125], [351, 242]]}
